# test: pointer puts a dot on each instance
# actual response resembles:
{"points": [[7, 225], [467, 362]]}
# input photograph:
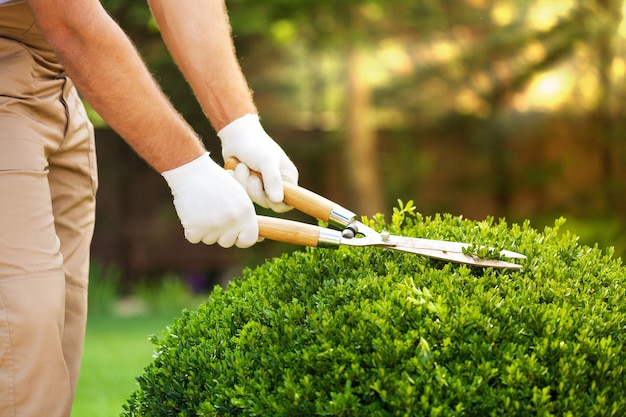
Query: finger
{"points": [[241, 174], [193, 236], [249, 234], [208, 239], [289, 172], [279, 207], [254, 188], [248, 237], [273, 184], [227, 239]]}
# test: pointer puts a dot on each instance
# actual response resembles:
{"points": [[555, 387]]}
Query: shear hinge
{"points": [[340, 217], [329, 238]]}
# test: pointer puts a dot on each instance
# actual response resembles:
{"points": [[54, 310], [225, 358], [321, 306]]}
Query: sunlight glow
{"points": [[467, 102], [587, 88], [618, 69], [444, 50], [535, 52], [394, 57], [622, 27], [618, 66], [502, 13], [549, 85], [547, 92], [546, 14]]}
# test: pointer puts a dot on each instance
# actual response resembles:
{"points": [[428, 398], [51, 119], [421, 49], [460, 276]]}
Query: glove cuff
{"points": [[248, 125], [179, 175]]}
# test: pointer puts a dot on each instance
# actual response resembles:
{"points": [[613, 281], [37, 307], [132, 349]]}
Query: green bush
{"points": [[168, 295], [374, 332]]}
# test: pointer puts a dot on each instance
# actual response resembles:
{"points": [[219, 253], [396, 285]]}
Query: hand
{"points": [[211, 205], [246, 140]]}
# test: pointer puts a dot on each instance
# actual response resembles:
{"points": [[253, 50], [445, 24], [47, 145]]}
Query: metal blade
{"points": [[442, 245], [458, 257], [438, 249]]}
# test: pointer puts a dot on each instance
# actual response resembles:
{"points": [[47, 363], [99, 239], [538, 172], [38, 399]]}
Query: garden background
{"points": [[478, 108]]}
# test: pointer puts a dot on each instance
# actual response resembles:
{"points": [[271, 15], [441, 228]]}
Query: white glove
{"points": [[211, 205], [246, 140]]}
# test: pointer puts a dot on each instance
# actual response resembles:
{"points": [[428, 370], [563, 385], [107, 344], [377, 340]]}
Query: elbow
{"points": [[62, 27], [57, 36]]}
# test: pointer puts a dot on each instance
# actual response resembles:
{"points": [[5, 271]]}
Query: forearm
{"points": [[111, 76], [197, 33]]}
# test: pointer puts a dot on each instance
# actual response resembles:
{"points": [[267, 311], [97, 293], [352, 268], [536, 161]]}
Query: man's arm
{"points": [[197, 33], [110, 74]]}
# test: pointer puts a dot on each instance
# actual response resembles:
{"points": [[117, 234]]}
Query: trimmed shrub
{"points": [[374, 332]]}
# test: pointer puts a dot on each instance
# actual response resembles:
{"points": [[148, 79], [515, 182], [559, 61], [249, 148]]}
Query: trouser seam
{"points": [[11, 368], [28, 276]]}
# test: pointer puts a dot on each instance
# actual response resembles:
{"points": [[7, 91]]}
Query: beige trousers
{"points": [[48, 182]]}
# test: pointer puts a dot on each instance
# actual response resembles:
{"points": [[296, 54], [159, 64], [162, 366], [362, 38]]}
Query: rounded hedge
{"points": [[374, 332]]}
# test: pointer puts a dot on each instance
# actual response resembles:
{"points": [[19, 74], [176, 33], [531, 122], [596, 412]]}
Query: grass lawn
{"points": [[116, 351]]}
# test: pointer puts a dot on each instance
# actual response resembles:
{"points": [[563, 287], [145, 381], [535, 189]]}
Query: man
{"points": [[48, 169]]}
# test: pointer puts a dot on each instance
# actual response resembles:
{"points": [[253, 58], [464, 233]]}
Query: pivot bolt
{"points": [[348, 232]]}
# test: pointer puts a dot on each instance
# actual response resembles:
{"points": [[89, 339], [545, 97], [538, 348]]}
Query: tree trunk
{"points": [[604, 117], [361, 149]]}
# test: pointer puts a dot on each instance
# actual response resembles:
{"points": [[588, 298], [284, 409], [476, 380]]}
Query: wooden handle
{"points": [[299, 197], [288, 231], [308, 202]]}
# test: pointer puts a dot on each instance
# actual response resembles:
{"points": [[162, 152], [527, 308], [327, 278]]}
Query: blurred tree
{"points": [[430, 70], [360, 66], [345, 28], [608, 113], [488, 51], [470, 57]]}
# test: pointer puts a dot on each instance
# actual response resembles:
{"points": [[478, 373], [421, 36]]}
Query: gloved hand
{"points": [[212, 205], [246, 140]]}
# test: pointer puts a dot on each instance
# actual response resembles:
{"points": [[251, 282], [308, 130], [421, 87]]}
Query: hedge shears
{"points": [[346, 230]]}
